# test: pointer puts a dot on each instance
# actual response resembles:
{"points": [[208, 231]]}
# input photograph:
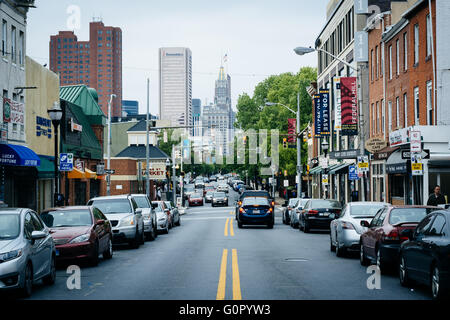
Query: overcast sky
{"points": [[257, 35]]}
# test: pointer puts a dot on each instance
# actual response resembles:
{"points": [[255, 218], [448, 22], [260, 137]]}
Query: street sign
{"points": [[325, 179], [363, 164], [406, 154], [286, 183], [352, 173], [66, 162], [416, 164], [110, 171], [415, 139]]}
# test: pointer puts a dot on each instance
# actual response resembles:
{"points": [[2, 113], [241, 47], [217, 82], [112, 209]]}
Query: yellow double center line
{"points": [[223, 276], [229, 222]]}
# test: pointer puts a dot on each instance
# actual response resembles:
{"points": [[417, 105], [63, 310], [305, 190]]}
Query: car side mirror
{"points": [[284, 205], [333, 216], [407, 234], [365, 224], [36, 235], [100, 222], [139, 211]]}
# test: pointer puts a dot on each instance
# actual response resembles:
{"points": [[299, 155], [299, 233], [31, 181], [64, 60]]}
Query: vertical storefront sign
{"points": [[337, 103], [349, 107], [317, 116], [292, 129], [325, 111]]}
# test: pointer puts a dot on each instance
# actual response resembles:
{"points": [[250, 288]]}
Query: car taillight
{"points": [[273, 203], [270, 210], [347, 226], [241, 210], [392, 236], [312, 212], [240, 203]]}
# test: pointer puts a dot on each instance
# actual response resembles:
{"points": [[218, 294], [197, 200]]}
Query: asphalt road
{"points": [[209, 258]]}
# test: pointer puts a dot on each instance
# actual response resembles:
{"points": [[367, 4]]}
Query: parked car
{"points": [[125, 216], [244, 188], [195, 199], [27, 251], [79, 233], [219, 198], [256, 211], [346, 229], [316, 214], [381, 242], [213, 178], [162, 216], [148, 214], [236, 183], [208, 196], [174, 214], [188, 190], [222, 188], [286, 208], [424, 257], [294, 214]]}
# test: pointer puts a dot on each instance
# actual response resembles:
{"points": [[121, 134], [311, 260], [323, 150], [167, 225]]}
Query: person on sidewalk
{"points": [[158, 193], [436, 198]]}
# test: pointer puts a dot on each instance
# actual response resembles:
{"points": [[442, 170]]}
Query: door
{"points": [[80, 192], [100, 230], [370, 237], [415, 248]]}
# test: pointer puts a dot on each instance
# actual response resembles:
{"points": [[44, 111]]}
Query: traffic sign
{"points": [[66, 162], [415, 139], [406, 154], [110, 171], [352, 173], [325, 179]]}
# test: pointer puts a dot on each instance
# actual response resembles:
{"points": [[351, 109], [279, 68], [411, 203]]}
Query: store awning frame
{"points": [[76, 174], [340, 168], [90, 174], [316, 170]]}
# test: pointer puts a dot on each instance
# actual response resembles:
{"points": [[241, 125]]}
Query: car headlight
{"points": [[146, 217], [82, 238], [10, 255], [161, 219], [127, 221]]}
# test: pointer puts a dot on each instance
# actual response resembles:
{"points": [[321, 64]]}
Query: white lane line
{"points": [[206, 218]]}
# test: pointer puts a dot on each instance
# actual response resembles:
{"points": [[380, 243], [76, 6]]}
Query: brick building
{"points": [[96, 63]]}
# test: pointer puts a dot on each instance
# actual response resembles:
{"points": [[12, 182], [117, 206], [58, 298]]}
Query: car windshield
{"points": [[293, 202], [326, 204], [209, 193], [112, 206], [9, 226], [255, 201], [142, 202], [403, 215], [67, 218], [219, 194], [369, 210], [196, 195], [168, 205]]}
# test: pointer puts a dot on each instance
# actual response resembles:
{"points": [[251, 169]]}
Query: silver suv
{"points": [[27, 251], [150, 221], [125, 216]]}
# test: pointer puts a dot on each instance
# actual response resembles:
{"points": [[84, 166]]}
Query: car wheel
{"points": [[151, 235], [270, 225], [403, 272], [28, 282], [380, 264], [142, 236], [438, 290], [109, 250], [166, 231], [134, 244], [332, 247], [362, 256], [50, 279], [339, 251], [239, 225], [305, 227], [283, 218], [93, 261]]}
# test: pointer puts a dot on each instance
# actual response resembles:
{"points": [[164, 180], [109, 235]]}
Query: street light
{"points": [[305, 50], [299, 146], [55, 115], [108, 178]]}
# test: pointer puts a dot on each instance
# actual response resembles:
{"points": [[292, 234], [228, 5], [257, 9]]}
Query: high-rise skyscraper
{"points": [[96, 63], [130, 107], [175, 85]]}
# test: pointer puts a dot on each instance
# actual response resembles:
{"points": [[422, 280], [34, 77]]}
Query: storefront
{"points": [[399, 176]]}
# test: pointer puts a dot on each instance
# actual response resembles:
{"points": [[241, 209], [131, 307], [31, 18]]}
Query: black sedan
{"points": [[318, 214], [425, 257]]}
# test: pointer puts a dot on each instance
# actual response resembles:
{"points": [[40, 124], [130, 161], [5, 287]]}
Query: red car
{"points": [[381, 242], [79, 233], [195, 199]]}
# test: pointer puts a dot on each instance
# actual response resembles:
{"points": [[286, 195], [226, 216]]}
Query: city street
{"points": [[208, 258]]}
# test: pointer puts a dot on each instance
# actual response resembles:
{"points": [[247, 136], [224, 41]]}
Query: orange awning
{"points": [[76, 174], [90, 174]]}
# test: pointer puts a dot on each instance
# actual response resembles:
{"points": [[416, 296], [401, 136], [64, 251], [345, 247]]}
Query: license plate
{"points": [[255, 211], [57, 252], [324, 214]]}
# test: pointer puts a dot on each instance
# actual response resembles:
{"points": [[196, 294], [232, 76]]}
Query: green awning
{"points": [[339, 169], [47, 168], [316, 170]]}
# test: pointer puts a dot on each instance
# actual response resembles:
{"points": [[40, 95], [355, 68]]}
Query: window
{"points": [[21, 48], [397, 60], [390, 116], [429, 103], [13, 44], [424, 225], [4, 37], [405, 51], [438, 227], [429, 36], [372, 65], [383, 116], [405, 105], [390, 62], [416, 44], [397, 122], [377, 127], [416, 106], [377, 68], [373, 119]]}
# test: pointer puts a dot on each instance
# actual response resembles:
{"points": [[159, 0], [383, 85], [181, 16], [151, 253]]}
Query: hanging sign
{"points": [[349, 107]]}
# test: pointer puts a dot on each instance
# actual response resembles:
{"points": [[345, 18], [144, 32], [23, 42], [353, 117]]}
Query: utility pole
{"points": [[147, 167], [108, 177], [299, 150], [174, 177], [361, 131]]}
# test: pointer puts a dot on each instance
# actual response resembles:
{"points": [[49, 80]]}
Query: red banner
{"points": [[292, 129], [349, 106]]}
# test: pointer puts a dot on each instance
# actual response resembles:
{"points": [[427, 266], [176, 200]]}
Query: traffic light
{"points": [[305, 138], [285, 144], [245, 139], [183, 174]]}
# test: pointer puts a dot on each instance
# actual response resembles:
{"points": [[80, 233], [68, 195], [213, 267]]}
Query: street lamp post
{"points": [[108, 177], [304, 50], [55, 115]]}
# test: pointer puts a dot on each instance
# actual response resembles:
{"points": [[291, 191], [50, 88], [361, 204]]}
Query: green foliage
{"points": [[167, 146]]}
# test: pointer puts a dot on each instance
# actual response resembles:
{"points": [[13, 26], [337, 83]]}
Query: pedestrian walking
{"points": [[158, 193], [436, 198]]}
